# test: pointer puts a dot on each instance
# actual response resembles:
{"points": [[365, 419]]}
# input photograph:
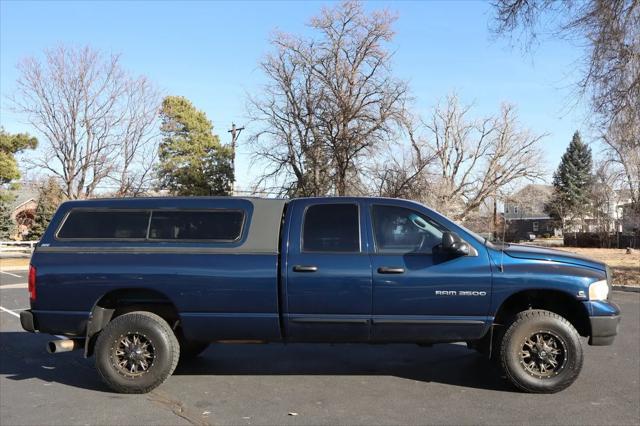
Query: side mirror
{"points": [[453, 244]]}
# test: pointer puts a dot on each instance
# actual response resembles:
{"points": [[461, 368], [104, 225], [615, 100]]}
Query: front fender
{"points": [[526, 275]]}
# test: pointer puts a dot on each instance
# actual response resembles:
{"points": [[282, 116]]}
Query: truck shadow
{"points": [[451, 364], [23, 357]]}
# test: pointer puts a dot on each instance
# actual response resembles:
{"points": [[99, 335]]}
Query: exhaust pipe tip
{"points": [[63, 345]]}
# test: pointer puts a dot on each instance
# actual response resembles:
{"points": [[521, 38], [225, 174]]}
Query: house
{"points": [[525, 215], [629, 219], [608, 212], [23, 211]]}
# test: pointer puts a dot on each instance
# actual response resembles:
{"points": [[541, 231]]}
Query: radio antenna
{"points": [[504, 234]]}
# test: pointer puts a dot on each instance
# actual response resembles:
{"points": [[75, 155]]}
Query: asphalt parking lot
{"points": [[311, 384]]}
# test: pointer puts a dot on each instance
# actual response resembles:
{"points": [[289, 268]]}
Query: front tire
{"points": [[136, 352], [541, 352]]}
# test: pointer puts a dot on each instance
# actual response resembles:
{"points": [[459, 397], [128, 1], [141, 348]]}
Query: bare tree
{"points": [[622, 138], [403, 168], [96, 119], [138, 149], [610, 67], [611, 30], [330, 101], [604, 198], [289, 140], [463, 161]]}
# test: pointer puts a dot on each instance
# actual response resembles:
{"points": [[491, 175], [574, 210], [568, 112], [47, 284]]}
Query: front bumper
{"points": [[27, 321], [603, 330]]}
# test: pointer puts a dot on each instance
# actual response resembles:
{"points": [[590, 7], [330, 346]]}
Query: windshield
{"points": [[491, 241]]}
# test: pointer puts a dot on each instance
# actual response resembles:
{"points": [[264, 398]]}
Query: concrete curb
{"points": [[628, 288]]}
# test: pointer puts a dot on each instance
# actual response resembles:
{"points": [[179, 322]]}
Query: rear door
{"points": [[327, 274]]}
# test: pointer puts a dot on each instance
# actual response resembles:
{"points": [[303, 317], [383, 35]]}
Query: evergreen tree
{"points": [[192, 160], [7, 226], [572, 182], [49, 198], [11, 144]]}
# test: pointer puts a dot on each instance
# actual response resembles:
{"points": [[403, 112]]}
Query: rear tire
{"points": [[541, 352], [136, 352]]}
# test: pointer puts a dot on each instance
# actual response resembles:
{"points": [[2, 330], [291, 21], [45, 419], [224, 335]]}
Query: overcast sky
{"points": [[209, 52]]}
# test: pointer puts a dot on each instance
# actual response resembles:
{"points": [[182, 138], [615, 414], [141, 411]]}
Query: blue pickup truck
{"points": [[139, 283]]}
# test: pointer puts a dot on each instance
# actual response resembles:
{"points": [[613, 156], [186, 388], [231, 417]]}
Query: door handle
{"points": [[390, 270], [305, 268]]}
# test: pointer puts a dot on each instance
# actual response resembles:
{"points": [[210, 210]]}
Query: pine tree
{"points": [[49, 198], [192, 160], [572, 181], [7, 226], [10, 145]]}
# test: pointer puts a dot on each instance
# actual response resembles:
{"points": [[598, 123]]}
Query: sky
{"points": [[210, 53]]}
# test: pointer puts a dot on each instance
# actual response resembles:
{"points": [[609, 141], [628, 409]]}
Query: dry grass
{"points": [[625, 267], [14, 263]]}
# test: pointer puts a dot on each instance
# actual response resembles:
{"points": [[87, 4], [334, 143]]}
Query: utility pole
{"points": [[235, 134], [495, 215]]}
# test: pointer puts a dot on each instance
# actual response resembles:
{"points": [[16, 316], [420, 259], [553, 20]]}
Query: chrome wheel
{"points": [[543, 354], [133, 354]]}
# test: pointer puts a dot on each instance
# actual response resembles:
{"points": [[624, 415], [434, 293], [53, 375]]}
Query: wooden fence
{"points": [[17, 247]]}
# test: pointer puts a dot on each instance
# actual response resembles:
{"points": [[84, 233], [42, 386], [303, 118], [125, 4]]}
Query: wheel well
{"points": [[129, 300], [558, 302], [122, 301]]}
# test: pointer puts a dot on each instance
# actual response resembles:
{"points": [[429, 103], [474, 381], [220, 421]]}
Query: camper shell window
{"points": [[220, 225]]}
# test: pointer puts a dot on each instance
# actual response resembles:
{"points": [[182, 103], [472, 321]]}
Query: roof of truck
{"points": [[198, 197], [233, 197]]}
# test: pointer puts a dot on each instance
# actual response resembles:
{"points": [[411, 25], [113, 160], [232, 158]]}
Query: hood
{"points": [[522, 251]]}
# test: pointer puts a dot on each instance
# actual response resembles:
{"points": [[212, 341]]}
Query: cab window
{"points": [[331, 228], [400, 230]]}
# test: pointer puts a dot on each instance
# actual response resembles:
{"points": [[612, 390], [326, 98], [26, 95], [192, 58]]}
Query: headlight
{"points": [[599, 290]]}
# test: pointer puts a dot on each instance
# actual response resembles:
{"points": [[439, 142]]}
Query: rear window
{"points": [[220, 225], [107, 224], [331, 228], [183, 225]]}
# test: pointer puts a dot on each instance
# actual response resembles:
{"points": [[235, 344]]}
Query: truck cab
{"points": [[375, 270], [192, 271]]}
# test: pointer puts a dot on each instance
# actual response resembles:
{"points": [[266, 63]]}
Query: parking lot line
{"points": [[15, 314], [9, 311], [9, 273], [19, 285]]}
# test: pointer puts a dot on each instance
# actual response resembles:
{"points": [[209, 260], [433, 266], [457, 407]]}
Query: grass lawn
{"points": [[14, 263], [625, 267]]}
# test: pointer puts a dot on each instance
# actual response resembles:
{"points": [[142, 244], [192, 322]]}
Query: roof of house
{"points": [[23, 196], [534, 187]]}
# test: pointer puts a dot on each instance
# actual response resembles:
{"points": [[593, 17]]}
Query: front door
{"points": [[418, 293], [328, 273]]}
